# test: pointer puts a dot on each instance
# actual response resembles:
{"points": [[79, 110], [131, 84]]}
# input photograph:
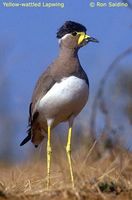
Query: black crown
{"points": [[70, 27]]}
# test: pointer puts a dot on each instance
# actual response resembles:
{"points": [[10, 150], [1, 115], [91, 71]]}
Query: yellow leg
{"points": [[68, 150], [49, 151]]}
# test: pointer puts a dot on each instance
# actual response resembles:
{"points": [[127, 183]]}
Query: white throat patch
{"points": [[64, 37]]}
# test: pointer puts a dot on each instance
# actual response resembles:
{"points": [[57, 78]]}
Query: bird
{"points": [[60, 93]]}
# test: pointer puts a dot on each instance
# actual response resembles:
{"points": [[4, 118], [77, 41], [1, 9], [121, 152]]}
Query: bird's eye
{"points": [[74, 33]]}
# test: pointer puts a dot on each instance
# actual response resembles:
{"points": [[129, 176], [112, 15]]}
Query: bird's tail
{"points": [[25, 140]]}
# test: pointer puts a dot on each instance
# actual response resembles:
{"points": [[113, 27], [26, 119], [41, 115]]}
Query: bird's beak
{"points": [[90, 39], [86, 38]]}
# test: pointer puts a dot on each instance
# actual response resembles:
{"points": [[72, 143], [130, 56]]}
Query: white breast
{"points": [[69, 95]]}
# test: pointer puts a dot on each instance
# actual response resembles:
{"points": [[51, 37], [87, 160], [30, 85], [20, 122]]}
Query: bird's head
{"points": [[73, 35]]}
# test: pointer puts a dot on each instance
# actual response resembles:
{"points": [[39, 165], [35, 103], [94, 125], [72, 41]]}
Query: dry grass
{"points": [[109, 177]]}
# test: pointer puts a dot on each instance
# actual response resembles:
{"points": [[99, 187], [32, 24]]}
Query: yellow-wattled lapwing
{"points": [[61, 91]]}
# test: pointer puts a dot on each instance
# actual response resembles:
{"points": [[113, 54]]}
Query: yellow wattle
{"points": [[81, 38]]}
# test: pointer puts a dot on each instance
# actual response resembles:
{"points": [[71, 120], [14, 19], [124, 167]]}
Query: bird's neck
{"points": [[67, 62], [67, 53]]}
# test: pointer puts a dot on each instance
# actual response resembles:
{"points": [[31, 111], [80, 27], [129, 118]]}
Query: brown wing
{"points": [[44, 83]]}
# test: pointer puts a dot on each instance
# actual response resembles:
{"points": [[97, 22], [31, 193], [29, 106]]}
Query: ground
{"points": [[107, 177]]}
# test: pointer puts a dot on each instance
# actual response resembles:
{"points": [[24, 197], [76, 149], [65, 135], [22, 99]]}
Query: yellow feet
{"points": [[49, 151], [68, 150]]}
